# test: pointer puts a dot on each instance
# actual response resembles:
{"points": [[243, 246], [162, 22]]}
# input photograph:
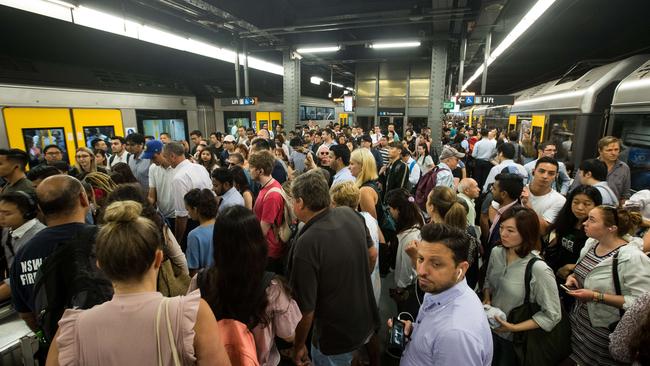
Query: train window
{"points": [[303, 113], [98, 132], [310, 112], [38, 138], [174, 127], [635, 135], [561, 130]]}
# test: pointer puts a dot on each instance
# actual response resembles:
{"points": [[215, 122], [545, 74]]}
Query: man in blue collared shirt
{"points": [[223, 185], [451, 327]]}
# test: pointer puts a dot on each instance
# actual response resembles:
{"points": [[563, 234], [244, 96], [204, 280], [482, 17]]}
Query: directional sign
{"points": [[486, 100], [448, 105], [466, 100], [239, 101]]}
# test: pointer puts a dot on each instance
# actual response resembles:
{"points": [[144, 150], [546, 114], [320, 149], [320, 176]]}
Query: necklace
{"points": [[267, 182]]}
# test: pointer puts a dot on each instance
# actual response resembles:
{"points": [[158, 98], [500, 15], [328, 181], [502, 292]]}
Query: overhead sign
{"points": [[448, 105], [391, 112], [243, 101], [348, 103], [486, 100]]}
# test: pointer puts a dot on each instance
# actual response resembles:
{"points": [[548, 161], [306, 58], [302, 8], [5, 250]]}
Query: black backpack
{"points": [[69, 279]]}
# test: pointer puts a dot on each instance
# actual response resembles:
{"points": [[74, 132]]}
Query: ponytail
{"points": [[456, 216]]}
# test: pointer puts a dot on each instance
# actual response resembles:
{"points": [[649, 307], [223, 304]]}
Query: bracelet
{"points": [[601, 298], [596, 297]]}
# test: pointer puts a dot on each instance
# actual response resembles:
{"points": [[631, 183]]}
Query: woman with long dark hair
{"points": [[208, 160], [504, 286], [567, 234], [234, 286], [424, 160], [408, 221], [242, 184]]}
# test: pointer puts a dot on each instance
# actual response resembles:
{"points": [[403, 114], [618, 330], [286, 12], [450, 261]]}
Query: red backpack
{"points": [[426, 184], [239, 342]]}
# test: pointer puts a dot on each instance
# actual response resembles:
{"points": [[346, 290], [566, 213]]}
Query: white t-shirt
{"points": [[547, 206], [188, 176], [373, 228], [161, 179]]}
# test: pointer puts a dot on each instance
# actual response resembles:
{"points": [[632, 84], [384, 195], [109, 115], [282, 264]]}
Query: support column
{"points": [[461, 70], [290, 91], [237, 86], [247, 91], [437, 92], [488, 45]]}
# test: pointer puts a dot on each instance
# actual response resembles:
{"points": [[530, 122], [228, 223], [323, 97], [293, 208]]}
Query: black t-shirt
{"points": [[330, 276], [30, 257], [566, 250]]}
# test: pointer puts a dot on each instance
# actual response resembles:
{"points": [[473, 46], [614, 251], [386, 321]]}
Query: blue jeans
{"points": [[319, 359]]}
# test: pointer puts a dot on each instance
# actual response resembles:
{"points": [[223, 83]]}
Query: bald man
{"points": [[468, 190], [64, 204]]}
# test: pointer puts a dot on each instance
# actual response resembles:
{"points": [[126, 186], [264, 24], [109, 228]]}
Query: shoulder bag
{"points": [[538, 347]]}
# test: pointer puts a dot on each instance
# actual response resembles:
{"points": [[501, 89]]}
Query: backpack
{"points": [[285, 231], [69, 279], [236, 337], [426, 184]]}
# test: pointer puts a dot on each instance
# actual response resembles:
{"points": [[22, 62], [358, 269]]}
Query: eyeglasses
{"points": [[53, 153]]}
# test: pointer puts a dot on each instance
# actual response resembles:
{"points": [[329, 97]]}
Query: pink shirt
{"points": [[122, 331]]}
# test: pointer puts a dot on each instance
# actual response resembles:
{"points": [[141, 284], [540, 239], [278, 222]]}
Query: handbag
{"points": [[538, 347], [170, 334], [172, 279]]}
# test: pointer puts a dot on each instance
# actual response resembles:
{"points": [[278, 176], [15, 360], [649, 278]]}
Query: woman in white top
{"points": [[425, 162], [408, 221]]}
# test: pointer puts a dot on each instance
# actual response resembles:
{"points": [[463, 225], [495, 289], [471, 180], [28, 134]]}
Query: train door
{"points": [[276, 119], [537, 128], [512, 123], [92, 124], [31, 129], [343, 119], [262, 119]]}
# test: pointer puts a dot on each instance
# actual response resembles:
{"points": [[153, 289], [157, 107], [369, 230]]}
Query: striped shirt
{"points": [[590, 344]]}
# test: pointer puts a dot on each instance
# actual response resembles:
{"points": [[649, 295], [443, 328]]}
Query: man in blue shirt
{"points": [[223, 185], [451, 327]]}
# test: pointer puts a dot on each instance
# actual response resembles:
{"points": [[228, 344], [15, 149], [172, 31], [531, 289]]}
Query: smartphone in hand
{"points": [[567, 288]]}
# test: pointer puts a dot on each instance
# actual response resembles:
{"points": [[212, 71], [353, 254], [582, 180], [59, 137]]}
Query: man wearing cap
{"points": [[366, 142], [160, 180], [449, 158], [228, 148]]}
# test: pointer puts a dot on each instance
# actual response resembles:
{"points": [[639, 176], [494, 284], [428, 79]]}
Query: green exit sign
{"points": [[448, 105]]}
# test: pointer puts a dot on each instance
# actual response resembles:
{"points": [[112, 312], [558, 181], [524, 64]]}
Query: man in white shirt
{"points": [[593, 172], [328, 138], [160, 181], [339, 161], [376, 136], [414, 169], [482, 153], [505, 156], [120, 155], [468, 190], [539, 194], [186, 176]]}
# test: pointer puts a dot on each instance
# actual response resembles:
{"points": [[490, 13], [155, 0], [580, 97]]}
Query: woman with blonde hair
{"points": [[138, 325], [85, 163], [364, 169]]}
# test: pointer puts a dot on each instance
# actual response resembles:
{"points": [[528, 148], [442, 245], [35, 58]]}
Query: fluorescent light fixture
{"points": [[348, 88], [381, 45], [318, 49], [533, 14], [337, 84], [92, 18], [316, 80]]}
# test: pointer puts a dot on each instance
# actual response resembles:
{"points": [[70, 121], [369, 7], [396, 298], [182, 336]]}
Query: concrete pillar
{"points": [[247, 91], [461, 70], [237, 86], [488, 45], [290, 91], [437, 92]]}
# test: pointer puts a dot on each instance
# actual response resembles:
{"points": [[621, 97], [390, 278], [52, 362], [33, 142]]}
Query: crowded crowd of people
{"points": [[252, 247]]}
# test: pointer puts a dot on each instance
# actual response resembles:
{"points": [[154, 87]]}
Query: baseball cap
{"points": [[366, 138], [152, 147], [448, 152], [228, 138]]}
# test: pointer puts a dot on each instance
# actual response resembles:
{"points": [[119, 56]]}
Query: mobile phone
{"points": [[567, 289]]}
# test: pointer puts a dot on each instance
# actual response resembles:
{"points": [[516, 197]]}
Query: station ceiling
{"points": [[37, 49]]}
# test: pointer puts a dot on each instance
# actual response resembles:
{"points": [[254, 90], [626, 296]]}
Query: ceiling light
{"points": [[97, 19], [533, 14], [395, 44], [337, 85], [318, 49], [316, 80]]}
